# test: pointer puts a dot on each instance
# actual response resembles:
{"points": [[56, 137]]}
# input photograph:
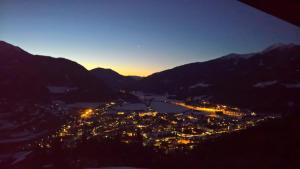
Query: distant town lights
{"points": [[86, 113]]}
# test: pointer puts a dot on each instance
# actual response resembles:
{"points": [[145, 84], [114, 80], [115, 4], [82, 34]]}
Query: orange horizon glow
{"points": [[124, 70]]}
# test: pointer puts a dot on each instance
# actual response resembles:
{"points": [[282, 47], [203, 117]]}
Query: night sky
{"points": [[139, 37]]}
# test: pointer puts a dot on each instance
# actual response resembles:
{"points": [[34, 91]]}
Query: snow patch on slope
{"points": [[201, 84], [265, 84], [60, 89], [20, 156], [292, 85]]}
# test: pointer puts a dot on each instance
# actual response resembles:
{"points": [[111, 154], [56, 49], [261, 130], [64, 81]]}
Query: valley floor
{"points": [[154, 133]]}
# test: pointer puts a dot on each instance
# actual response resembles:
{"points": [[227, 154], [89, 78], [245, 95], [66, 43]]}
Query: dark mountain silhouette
{"points": [[114, 79], [265, 81], [23, 75], [135, 77]]}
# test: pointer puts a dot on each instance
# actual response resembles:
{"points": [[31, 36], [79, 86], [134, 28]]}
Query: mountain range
{"points": [[114, 79], [27, 76], [268, 80]]}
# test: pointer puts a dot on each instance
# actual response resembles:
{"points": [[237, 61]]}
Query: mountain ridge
{"points": [[237, 80], [113, 78], [25, 75], [243, 80]]}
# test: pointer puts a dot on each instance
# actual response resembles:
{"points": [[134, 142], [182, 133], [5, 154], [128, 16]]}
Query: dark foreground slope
{"points": [[27, 76], [263, 81], [270, 145]]}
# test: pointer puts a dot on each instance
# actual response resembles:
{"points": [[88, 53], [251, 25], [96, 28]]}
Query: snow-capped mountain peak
{"points": [[279, 46]]}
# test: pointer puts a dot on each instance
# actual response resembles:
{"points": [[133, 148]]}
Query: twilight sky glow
{"points": [[139, 37]]}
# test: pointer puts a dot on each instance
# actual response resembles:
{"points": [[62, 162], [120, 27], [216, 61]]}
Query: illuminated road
{"points": [[211, 110]]}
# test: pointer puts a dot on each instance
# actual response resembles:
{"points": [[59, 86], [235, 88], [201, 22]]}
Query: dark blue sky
{"points": [[139, 36]]}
